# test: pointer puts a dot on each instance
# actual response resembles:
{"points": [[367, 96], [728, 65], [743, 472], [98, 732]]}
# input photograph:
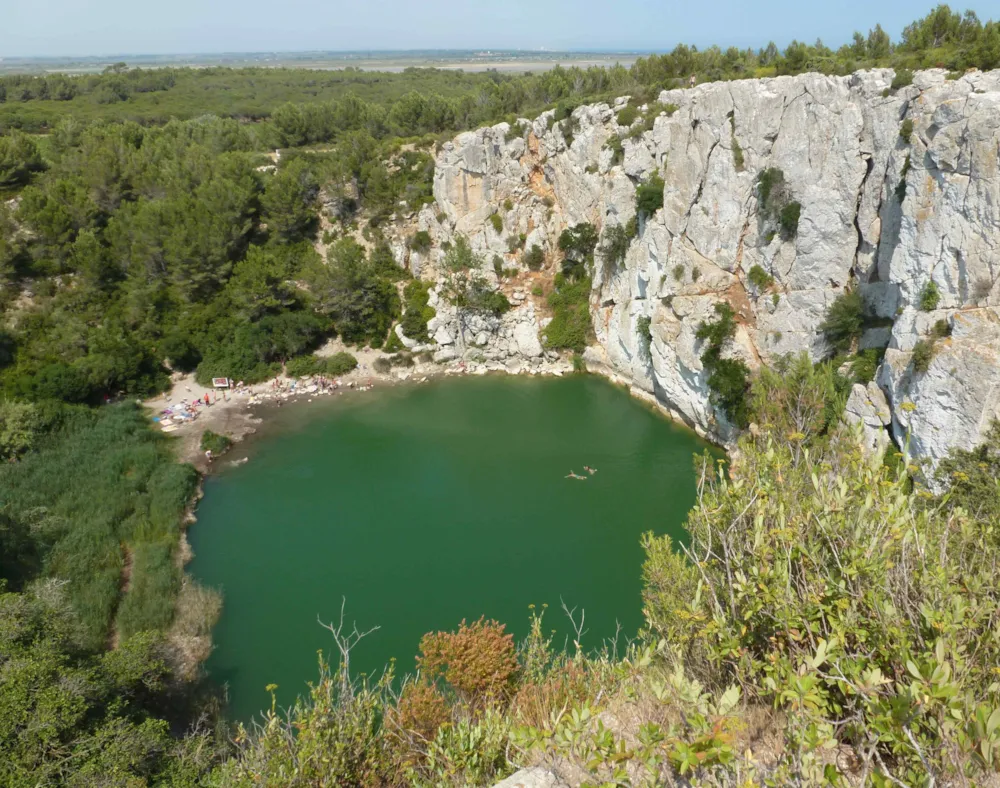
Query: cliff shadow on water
{"points": [[426, 505]]}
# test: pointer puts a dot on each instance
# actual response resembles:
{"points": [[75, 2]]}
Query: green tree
{"points": [[19, 158], [288, 202]]}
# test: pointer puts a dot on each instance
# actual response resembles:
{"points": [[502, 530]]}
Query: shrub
{"points": [[420, 242], [906, 130], [930, 297], [534, 258], [475, 294], [578, 242], [579, 364], [340, 364], [649, 196], [844, 323], [903, 78], [800, 401], [614, 144], [537, 291], [695, 274], [498, 265], [417, 312], [393, 344], [970, 477], [478, 661], [627, 115], [728, 379], [679, 272], [826, 541], [508, 205], [923, 354], [570, 327], [303, 366], [441, 217], [617, 240], [422, 710], [901, 186], [460, 256], [514, 243], [941, 329], [790, 220], [770, 183], [497, 221], [866, 363], [212, 441], [738, 159], [643, 325], [382, 365], [760, 278]]}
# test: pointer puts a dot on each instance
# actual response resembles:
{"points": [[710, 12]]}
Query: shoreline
{"points": [[239, 416]]}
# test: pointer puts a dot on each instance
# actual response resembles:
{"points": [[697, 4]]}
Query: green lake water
{"points": [[424, 505]]}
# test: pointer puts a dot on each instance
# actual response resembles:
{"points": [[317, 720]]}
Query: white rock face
{"points": [[878, 213], [532, 778], [868, 407]]}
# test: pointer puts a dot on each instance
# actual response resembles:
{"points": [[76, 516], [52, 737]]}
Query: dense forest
{"points": [[144, 229]]}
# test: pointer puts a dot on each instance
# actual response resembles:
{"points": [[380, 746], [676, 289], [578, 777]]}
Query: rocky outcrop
{"points": [[878, 212], [532, 778]]}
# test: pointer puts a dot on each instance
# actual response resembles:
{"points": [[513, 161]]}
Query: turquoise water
{"points": [[425, 505]]}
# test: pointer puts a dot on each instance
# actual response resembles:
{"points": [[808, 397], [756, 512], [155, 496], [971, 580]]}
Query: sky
{"points": [[105, 27]]}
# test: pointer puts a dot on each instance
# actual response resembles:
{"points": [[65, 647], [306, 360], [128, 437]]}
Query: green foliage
{"points": [[649, 195], [420, 242], [579, 241], [19, 158], [906, 130], [474, 293], [108, 481], [760, 278], [844, 323], [728, 379], [923, 354], [288, 201], [645, 334], [627, 115], [496, 220], [902, 79], [417, 312], [739, 162], [534, 258], [901, 187], [678, 272], [570, 328], [789, 220], [56, 698], [941, 329], [770, 183], [614, 144], [930, 297], [866, 363], [354, 293], [617, 240], [461, 257], [972, 479], [799, 401], [215, 443], [803, 555]]}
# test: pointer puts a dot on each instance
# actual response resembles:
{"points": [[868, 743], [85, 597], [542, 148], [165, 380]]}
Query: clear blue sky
{"points": [[100, 27]]}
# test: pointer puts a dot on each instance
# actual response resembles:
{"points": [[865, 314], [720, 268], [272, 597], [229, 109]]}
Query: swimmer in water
{"points": [[590, 470], [572, 475]]}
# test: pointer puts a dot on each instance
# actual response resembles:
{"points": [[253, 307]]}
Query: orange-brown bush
{"points": [[422, 710], [478, 661], [566, 688]]}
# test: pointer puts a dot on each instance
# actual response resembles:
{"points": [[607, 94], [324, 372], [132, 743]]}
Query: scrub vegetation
{"points": [[841, 609]]}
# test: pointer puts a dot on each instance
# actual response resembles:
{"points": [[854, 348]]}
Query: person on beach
{"points": [[208, 454]]}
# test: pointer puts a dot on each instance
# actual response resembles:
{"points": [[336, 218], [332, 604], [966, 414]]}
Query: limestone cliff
{"points": [[879, 212]]}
